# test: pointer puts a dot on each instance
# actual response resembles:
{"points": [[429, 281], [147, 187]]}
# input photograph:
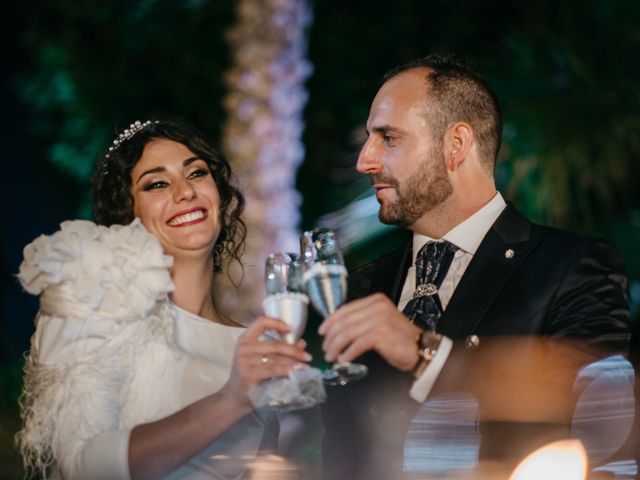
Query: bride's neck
{"points": [[193, 287]]}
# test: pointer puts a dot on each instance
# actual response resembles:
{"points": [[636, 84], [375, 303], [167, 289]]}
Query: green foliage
{"points": [[573, 134], [98, 66]]}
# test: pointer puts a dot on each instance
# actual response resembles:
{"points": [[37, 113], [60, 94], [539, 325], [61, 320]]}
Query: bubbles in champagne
{"points": [[327, 286]]}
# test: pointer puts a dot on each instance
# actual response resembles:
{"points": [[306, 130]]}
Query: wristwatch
{"points": [[428, 343]]}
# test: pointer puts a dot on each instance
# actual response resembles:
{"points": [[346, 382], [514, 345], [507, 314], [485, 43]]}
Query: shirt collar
{"points": [[468, 234]]}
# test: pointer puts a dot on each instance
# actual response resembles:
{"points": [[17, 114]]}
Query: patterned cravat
{"points": [[432, 262]]}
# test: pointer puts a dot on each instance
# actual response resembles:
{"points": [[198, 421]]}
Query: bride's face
{"points": [[176, 198]]}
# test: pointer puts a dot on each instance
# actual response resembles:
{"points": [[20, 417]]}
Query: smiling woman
{"points": [[176, 197], [133, 372], [142, 166]]}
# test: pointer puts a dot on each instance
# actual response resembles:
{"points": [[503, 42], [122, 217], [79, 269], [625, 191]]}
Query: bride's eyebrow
{"points": [[159, 169], [150, 171], [190, 160]]}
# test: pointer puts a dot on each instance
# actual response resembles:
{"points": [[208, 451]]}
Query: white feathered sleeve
{"points": [[97, 286]]}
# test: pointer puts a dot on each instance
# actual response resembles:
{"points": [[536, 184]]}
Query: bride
{"points": [[133, 372]]}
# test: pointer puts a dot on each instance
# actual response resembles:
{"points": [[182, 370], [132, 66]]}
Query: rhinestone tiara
{"points": [[128, 133]]}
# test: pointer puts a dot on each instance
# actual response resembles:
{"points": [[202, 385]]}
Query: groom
{"points": [[475, 274]]}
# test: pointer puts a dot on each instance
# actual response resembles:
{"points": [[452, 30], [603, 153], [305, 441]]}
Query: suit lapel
{"points": [[490, 268], [386, 275], [401, 273], [389, 273]]}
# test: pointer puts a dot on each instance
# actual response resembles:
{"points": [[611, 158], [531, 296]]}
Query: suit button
{"points": [[471, 342]]}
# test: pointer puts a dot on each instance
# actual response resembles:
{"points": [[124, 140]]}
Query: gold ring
{"points": [[264, 360]]}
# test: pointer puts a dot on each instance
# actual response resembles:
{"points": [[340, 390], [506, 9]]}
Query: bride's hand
{"points": [[256, 359]]}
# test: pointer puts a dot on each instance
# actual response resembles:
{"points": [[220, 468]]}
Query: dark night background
{"points": [[566, 73]]}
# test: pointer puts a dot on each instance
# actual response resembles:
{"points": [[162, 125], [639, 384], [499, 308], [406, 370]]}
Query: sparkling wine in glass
{"points": [[325, 279], [286, 298]]}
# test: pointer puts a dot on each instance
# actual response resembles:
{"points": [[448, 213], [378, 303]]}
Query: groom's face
{"points": [[405, 164]]}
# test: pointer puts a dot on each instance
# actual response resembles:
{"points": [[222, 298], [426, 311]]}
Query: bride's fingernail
{"points": [[307, 356]]}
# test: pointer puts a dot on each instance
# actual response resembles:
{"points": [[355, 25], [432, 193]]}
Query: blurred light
{"points": [[443, 436], [356, 223], [619, 469], [604, 413], [562, 460], [272, 467]]}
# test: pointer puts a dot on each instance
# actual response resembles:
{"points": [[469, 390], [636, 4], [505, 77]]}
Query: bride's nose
{"points": [[184, 191]]}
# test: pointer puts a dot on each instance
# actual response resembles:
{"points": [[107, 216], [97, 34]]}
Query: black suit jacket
{"points": [[556, 284]]}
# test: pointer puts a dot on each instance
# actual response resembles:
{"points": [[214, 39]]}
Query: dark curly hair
{"points": [[113, 202]]}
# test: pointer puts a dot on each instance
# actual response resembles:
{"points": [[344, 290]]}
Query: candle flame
{"points": [[561, 460]]}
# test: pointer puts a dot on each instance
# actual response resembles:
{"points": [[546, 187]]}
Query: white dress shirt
{"points": [[467, 236]]}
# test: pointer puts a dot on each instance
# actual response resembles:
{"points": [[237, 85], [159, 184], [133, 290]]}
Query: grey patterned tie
{"points": [[432, 262]]}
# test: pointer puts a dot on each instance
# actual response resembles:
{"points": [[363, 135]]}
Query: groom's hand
{"points": [[370, 323]]}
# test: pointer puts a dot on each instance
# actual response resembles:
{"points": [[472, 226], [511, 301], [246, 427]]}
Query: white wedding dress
{"points": [[111, 351]]}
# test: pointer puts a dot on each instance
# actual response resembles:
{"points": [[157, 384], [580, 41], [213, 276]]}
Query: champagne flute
{"points": [[325, 278], [286, 298]]}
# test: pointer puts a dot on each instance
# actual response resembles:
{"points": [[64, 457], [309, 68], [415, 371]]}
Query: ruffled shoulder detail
{"points": [[119, 270], [90, 275]]}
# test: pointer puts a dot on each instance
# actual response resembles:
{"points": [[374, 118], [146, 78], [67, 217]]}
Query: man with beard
{"points": [[424, 319]]}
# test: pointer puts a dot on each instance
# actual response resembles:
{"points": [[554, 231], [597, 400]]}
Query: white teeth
{"points": [[187, 217]]}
